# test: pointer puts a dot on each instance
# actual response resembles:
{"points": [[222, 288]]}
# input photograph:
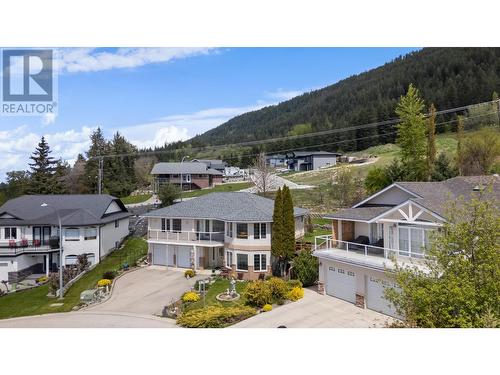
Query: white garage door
{"points": [[375, 295], [184, 256], [170, 255], [341, 283], [160, 255]]}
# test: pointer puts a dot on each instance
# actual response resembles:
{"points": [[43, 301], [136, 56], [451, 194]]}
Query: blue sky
{"points": [[158, 95]]}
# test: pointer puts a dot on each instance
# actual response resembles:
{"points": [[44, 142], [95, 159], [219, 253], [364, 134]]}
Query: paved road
{"points": [[137, 297], [316, 311]]}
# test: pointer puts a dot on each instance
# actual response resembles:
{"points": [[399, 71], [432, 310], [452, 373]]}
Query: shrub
{"points": [[267, 307], [189, 273], [279, 288], [280, 302], [294, 283], [258, 293], [306, 268], [295, 294], [104, 282], [110, 275], [215, 316], [41, 279], [190, 297]]}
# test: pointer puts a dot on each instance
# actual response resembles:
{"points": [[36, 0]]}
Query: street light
{"points": [[60, 249], [182, 161]]}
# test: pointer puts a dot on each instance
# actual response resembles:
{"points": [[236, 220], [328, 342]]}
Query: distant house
{"points": [[231, 230], [194, 176], [310, 160], [216, 164], [29, 232], [276, 160], [395, 223]]}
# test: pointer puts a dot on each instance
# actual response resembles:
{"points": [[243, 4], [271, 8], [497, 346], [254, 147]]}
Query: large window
{"points": [[72, 234], [242, 230], [165, 225], [259, 262], [90, 234], [176, 225], [259, 230], [229, 229], [413, 240], [218, 226], [242, 262], [10, 233]]}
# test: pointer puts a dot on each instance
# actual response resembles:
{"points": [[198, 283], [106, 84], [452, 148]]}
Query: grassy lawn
{"points": [[35, 301], [219, 286], [219, 188], [133, 199]]}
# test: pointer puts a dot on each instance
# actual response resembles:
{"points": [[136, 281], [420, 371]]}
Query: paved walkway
{"points": [[273, 183], [316, 311]]}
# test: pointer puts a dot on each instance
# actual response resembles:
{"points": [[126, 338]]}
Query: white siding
{"points": [[111, 235], [393, 196]]}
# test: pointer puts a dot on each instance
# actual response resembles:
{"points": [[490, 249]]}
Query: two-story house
{"points": [[191, 175], [310, 160], [394, 224], [230, 230], [29, 231]]}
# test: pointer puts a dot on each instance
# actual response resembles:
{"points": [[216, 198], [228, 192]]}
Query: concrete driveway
{"points": [[316, 311], [136, 300]]}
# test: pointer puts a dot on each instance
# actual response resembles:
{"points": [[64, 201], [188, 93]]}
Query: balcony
{"points": [[14, 247], [364, 254], [187, 237]]}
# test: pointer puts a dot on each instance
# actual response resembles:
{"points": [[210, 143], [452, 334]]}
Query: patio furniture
{"points": [[361, 240], [24, 242], [12, 243]]}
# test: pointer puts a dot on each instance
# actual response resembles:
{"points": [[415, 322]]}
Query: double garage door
{"points": [[341, 283], [172, 255]]}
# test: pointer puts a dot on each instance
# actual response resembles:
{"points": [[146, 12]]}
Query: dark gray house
{"points": [[311, 160]]}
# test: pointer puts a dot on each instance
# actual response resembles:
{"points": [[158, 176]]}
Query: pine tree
{"points": [[42, 172], [460, 141], [288, 224], [431, 141], [119, 176], [277, 246], [98, 147], [411, 134]]}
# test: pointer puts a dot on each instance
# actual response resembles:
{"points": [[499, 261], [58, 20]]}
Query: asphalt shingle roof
{"points": [[238, 206], [77, 210], [361, 213], [178, 168]]}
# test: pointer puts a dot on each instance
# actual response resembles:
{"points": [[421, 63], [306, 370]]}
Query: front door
{"points": [[42, 235]]}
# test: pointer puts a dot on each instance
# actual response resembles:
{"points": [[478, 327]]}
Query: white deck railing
{"points": [[185, 236], [326, 242]]}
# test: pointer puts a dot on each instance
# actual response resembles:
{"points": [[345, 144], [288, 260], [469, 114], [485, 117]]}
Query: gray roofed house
{"points": [[233, 206], [178, 168], [195, 175], [216, 164], [92, 225], [311, 160]]}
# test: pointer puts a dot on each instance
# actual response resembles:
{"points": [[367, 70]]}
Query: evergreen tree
{"points": [[288, 224], [61, 177], [443, 168], [119, 176], [431, 141], [460, 141], [42, 171], [98, 147], [277, 245], [411, 134]]}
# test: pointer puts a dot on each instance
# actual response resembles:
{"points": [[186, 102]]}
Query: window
{"points": [[229, 259], [259, 262], [10, 233], [242, 230], [117, 223], [259, 230], [229, 229], [165, 224], [176, 225], [262, 230], [90, 233], [218, 226], [242, 262], [72, 234]]}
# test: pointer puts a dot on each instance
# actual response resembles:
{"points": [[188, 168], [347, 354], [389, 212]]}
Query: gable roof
{"points": [[430, 195], [297, 154], [234, 206], [74, 209], [178, 168]]}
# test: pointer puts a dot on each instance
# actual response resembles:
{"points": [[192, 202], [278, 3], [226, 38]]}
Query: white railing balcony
{"points": [[328, 243], [215, 238]]}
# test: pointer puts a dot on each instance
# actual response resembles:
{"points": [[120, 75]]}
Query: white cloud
{"points": [[73, 60], [282, 95], [48, 118]]}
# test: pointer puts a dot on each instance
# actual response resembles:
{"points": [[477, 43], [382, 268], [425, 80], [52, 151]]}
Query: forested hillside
{"points": [[447, 77]]}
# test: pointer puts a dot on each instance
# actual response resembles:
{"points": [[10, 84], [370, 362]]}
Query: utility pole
{"points": [[100, 174]]}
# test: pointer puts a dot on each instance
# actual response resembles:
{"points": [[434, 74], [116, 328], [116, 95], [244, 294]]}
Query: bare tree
{"points": [[142, 168], [262, 173]]}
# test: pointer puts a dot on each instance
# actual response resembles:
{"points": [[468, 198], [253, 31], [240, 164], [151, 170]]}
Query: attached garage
{"points": [[183, 256], [160, 255], [171, 255], [375, 300], [341, 283]]}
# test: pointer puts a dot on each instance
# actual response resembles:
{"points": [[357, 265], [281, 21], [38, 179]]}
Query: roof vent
{"points": [[477, 188]]}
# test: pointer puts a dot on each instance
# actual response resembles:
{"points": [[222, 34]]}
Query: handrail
{"points": [[185, 236], [325, 242]]}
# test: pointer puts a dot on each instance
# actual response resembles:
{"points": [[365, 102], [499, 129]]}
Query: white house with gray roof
{"points": [[29, 231], [395, 222], [230, 230], [191, 175]]}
